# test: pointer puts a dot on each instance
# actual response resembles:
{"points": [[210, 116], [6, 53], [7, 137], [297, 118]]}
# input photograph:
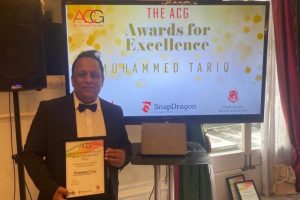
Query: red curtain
{"points": [[285, 23]]}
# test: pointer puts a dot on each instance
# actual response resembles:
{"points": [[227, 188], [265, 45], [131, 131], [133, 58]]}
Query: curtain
{"points": [[276, 146], [298, 33], [192, 182], [284, 16]]}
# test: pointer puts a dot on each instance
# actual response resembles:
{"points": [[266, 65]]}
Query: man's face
{"points": [[87, 79]]}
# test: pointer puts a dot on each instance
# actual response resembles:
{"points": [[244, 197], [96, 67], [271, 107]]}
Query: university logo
{"points": [[233, 96]]}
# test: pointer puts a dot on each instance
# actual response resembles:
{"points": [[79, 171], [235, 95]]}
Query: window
{"points": [[225, 138]]}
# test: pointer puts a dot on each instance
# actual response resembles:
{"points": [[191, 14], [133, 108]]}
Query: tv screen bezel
{"points": [[135, 120]]}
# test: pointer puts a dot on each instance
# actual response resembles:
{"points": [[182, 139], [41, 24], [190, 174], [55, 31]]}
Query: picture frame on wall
{"points": [[230, 181], [246, 190]]}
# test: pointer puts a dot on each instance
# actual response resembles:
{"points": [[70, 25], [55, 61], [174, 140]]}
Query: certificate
{"points": [[230, 184], [247, 190], [85, 167]]}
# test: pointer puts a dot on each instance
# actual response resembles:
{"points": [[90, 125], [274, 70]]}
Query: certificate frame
{"points": [[230, 181], [86, 169], [247, 190]]}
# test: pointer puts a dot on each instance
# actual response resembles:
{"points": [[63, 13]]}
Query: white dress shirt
{"points": [[89, 123]]}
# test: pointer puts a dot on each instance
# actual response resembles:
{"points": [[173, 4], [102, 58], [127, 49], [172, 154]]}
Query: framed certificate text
{"points": [[85, 167], [247, 190]]}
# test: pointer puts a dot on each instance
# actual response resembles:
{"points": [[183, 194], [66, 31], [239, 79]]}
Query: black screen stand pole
{"points": [[17, 157]]}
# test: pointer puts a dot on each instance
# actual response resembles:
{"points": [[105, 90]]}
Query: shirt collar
{"points": [[77, 101]]}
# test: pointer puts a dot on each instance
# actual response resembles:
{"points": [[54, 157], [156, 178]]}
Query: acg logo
{"points": [[89, 16]]}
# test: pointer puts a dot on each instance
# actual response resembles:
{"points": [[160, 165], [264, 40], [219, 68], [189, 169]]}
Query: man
{"points": [[62, 119]]}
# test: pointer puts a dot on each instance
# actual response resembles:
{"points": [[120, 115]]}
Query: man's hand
{"points": [[115, 157], [60, 193]]}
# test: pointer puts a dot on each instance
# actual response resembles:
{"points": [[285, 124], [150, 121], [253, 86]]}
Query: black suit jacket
{"points": [[53, 124]]}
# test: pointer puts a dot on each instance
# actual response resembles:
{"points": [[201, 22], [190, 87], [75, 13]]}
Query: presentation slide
{"points": [[174, 60]]}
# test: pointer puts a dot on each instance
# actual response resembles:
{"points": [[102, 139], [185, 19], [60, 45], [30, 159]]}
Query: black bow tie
{"points": [[92, 107]]}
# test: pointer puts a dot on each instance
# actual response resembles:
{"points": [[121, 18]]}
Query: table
{"points": [[196, 155]]}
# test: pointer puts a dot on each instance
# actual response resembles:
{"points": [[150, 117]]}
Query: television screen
{"points": [[163, 62]]}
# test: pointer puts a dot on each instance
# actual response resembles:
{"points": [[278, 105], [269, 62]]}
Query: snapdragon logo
{"points": [[146, 106], [174, 106]]}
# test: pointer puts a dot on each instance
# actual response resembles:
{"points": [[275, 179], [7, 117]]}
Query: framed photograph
{"points": [[86, 168], [246, 190], [230, 184]]}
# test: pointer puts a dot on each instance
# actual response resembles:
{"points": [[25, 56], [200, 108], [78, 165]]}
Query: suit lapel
{"points": [[70, 117], [107, 115]]}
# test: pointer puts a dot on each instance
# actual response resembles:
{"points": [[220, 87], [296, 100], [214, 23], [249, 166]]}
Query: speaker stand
{"points": [[18, 157]]}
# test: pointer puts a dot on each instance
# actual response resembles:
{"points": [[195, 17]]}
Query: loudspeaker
{"points": [[22, 59]]}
